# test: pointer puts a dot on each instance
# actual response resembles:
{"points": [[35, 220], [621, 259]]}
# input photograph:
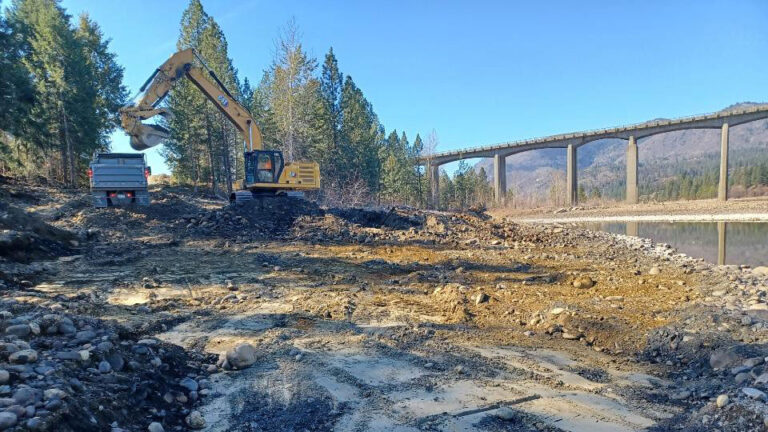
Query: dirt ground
{"points": [[368, 320]]}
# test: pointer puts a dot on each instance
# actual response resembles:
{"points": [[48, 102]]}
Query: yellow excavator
{"points": [[266, 172]]}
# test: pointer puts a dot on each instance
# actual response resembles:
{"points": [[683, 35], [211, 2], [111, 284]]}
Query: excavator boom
{"points": [[265, 170], [178, 66]]}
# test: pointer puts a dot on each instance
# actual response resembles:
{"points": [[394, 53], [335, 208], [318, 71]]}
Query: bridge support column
{"points": [[500, 178], [572, 187], [721, 239], [632, 171], [722, 190], [433, 171]]}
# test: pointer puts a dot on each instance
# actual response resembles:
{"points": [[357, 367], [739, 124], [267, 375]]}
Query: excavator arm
{"points": [[178, 66], [265, 170]]}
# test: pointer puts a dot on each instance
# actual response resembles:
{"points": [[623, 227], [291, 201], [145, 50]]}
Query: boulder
{"points": [[241, 356], [23, 356], [722, 359]]}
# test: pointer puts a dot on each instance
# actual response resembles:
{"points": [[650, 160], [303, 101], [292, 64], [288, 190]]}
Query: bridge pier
{"points": [[722, 190], [500, 178], [433, 171], [572, 186], [632, 171]]}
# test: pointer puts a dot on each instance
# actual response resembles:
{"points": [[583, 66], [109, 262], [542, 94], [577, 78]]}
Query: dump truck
{"points": [[119, 179]]}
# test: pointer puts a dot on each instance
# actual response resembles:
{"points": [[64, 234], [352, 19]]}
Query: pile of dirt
{"points": [[24, 236], [395, 218], [265, 217]]}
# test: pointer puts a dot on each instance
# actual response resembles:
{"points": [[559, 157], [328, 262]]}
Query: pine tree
{"points": [[185, 150], [293, 93], [416, 150], [221, 136], [76, 86], [361, 136], [16, 94], [326, 142]]}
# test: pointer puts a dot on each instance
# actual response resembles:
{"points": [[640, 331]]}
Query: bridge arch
{"points": [[572, 141]]}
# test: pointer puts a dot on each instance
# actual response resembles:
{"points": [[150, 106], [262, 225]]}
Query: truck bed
{"points": [[118, 177]]}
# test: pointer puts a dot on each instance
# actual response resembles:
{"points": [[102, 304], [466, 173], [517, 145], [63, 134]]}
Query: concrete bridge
{"points": [[572, 141]]}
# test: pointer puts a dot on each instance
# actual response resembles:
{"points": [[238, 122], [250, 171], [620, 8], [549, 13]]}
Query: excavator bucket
{"points": [[148, 135]]}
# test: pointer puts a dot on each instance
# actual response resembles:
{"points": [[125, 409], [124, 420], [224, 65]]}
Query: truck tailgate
{"points": [[118, 177]]}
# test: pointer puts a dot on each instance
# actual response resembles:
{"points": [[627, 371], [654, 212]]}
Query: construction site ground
{"points": [[366, 320]]}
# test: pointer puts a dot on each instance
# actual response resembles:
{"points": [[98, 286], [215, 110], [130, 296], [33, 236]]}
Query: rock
{"points": [[66, 327], [195, 420], [241, 356], [4, 376], [105, 367], [760, 271], [54, 393], [189, 384], [23, 356], [683, 394], [116, 361], [762, 379], [557, 311], [7, 420], [752, 362], [571, 336], [155, 427], [722, 358], [230, 285], [85, 335], [481, 298], [722, 400], [35, 423], [583, 282], [753, 393], [741, 378], [505, 413], [24, 395], [19, 330], [68, 355], [654, 271]]}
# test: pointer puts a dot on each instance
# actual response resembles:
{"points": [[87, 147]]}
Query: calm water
{"points": [[739, 242]]}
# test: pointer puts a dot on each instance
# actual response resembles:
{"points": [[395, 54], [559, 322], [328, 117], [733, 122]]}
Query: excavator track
{"points": [[244, 196]]}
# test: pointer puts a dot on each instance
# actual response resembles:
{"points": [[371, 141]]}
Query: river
{"points": [[741, 243]]}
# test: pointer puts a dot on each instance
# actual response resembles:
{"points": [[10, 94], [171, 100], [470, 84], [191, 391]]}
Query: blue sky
{"points": [[482, 72]]}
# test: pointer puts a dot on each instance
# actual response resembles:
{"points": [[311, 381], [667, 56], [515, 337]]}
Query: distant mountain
{"points": [[530, 175]]}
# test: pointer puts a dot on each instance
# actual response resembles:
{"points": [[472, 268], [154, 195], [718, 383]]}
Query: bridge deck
{"points": [[639, 130]]}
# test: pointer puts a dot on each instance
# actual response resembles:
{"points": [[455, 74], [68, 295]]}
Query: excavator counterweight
{"points": [[266, 172]]}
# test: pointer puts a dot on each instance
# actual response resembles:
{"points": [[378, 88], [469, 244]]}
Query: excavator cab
{"points": [[263, 166]]}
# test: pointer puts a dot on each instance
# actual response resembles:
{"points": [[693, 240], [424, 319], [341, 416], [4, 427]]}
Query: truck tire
{"points": [[100, 199], [141, 198]]}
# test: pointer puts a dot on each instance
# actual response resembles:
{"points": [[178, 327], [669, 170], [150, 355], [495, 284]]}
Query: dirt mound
{"points": [[398, 219], [266, 217], [24, 236]]}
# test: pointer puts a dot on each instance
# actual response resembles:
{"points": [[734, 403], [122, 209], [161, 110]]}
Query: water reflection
{"points": [[716, 242]]}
